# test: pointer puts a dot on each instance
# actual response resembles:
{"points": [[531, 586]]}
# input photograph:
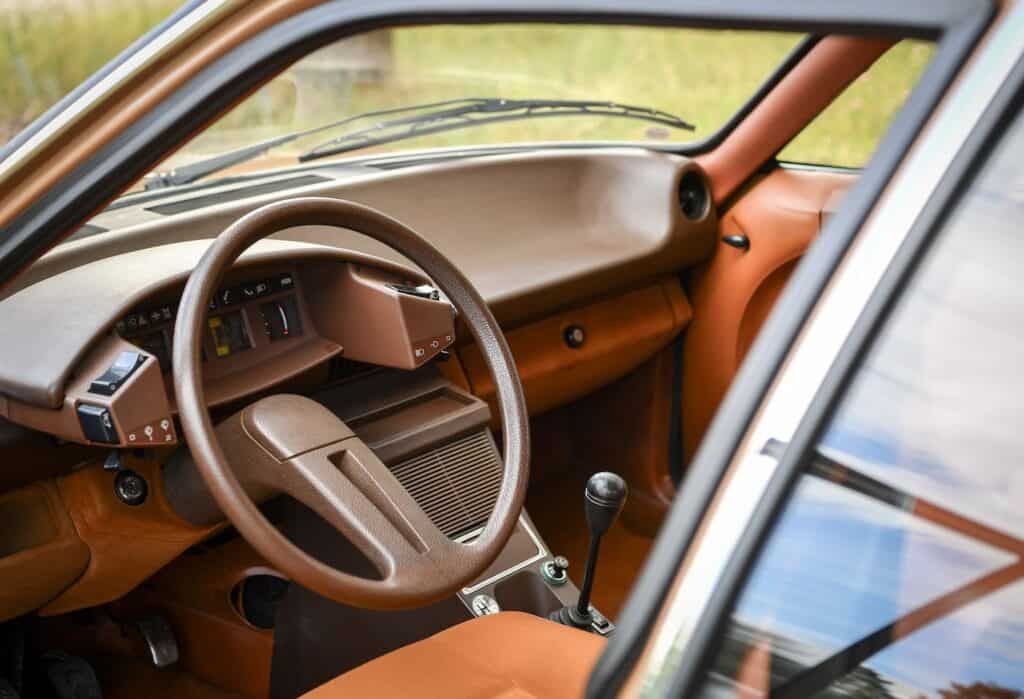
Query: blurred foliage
{"points": [[49, 46], [682, 71], [848, 131]]}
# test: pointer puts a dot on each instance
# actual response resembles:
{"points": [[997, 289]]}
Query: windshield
{"points": [[678, 75]]}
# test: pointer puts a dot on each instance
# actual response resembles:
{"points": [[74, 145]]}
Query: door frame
{"points": [[824, 358]]}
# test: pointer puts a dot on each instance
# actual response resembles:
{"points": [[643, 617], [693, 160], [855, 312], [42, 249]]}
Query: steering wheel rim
{"points": [[445, 566]]}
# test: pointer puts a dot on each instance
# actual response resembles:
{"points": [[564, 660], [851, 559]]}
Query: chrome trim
{"points": [[468, 536], [818, 344], [542, 552], [142, 59]]}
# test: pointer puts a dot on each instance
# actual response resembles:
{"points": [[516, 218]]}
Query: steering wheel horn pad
{"points": [[341, 479]]}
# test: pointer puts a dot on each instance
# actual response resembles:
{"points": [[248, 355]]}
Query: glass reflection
{"points": [[896, 568]]}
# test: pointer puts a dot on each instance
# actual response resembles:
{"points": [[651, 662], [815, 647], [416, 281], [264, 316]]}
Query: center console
{"points": [[435, 439]]}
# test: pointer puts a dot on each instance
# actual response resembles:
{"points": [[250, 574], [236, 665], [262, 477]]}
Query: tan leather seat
{"points": [[510, 655]]}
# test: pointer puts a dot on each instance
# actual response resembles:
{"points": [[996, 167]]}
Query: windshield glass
{"points": [[692, 76]]}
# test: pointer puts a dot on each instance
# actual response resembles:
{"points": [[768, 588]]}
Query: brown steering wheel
{"points": [[417, 562]]}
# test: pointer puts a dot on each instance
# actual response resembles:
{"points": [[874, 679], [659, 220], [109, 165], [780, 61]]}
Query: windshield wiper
{"points": [[419, 120], [187, 174], [464, 113]]}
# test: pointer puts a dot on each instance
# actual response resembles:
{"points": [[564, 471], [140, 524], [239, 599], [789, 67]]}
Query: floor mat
{"points": [[128, 678], [556, 507]]}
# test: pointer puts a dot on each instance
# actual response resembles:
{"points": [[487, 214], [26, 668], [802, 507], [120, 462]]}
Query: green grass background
{"points": [[49, 46]]}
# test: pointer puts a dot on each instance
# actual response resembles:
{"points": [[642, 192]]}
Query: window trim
{"points": [[953, 148]]}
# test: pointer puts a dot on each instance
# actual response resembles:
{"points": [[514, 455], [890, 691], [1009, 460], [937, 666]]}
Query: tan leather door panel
{"points": [[733, 293]]}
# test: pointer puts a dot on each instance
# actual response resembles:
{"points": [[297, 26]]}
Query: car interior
{"points": [[285, 452]]}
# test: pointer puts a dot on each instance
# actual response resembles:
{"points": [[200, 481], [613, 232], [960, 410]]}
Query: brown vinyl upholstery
{"points": [[733, 294], [510, 655]]}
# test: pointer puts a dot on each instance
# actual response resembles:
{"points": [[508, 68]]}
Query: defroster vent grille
{"points": [[456, 484]]}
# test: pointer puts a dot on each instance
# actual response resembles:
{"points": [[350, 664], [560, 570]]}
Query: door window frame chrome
{"points": [[824, 357]]}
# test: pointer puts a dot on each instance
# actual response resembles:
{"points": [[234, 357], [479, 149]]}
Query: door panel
{"points": [[781, 215]]}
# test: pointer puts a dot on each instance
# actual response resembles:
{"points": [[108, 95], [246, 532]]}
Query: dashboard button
{"points": [[117, 373], [97, 426]]}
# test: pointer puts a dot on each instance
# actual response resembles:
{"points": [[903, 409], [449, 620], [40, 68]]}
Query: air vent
{"points": [[193, 203], [456, 484], [693, 196]]}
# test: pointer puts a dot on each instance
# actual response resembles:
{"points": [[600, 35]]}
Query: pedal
{"points": [[159, 639], [70, 677]]}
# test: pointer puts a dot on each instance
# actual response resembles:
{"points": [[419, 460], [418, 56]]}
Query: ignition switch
{"points": [[130, 487]]}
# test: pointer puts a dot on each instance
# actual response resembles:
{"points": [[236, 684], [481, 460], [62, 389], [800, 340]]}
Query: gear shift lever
{"points": [[603, 499]]}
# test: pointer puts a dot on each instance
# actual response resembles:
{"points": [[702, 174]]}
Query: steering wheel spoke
{"points": [[357, 494], [318, 460]]}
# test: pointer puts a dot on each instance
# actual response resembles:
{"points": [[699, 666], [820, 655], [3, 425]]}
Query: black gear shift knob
{"points": [[604, 497]]}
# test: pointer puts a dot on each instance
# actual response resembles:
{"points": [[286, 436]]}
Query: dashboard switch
{"points": [[118, 372], [97, 425], [423, 291]]}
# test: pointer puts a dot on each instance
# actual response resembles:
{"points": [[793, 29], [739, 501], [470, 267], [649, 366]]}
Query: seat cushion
{"points": [[510, 655]]}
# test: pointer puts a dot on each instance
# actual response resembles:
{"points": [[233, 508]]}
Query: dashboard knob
{"points": [[556, 571], [574, 336]]}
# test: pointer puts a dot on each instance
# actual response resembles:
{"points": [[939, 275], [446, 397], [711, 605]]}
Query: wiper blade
{"points": [[192, 172], [463, 113], [422, 119], [187, 174]]}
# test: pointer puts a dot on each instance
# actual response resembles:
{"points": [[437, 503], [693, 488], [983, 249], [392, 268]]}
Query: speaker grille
{"points": [[456, 484]]}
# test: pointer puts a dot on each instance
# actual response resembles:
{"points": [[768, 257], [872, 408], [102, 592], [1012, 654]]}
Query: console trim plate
{"points": [[542, 553]]}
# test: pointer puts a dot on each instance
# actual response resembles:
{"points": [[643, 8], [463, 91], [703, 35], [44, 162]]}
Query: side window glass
{"points": [[850, 129], [895, 570]]}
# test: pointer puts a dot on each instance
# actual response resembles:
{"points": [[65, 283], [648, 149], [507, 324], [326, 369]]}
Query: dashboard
{"points": [[591, 241], [242, 317], [251, 315], [284, 308]]}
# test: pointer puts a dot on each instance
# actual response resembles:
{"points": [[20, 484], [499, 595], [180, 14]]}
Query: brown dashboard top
{"points": [[536, 232]]}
